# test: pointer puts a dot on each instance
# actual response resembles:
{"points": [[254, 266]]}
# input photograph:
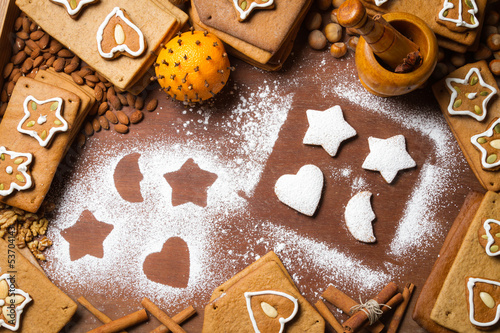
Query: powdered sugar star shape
{"points": [[328, 129], [388, 156], [6, 297]]}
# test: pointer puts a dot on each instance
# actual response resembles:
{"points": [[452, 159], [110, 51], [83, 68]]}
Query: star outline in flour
{"points": [[388, 156], [328, 129]]}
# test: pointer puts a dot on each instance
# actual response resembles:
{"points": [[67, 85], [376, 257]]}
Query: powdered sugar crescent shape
{"points": [[359, 216]]}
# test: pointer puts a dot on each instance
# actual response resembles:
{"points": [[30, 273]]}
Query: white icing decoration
{"points": [[484, 153], [388, 156], [9, 170], [380, 2], [18, 309], [283, 321], [459, 21], [70, 10], [491, 240], [328, 129], [52, 130], [471, 96], [244, 13], [42, 119], [470, 285], [123, 47], [465, 81], [359, 216], [23, 168], [302, 191]]}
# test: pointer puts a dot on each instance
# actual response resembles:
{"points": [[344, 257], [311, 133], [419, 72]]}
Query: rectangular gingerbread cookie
{"points": [[49, 309], [470, 111], [451, 307], [80, 35], [35, 107], [261, 297]]}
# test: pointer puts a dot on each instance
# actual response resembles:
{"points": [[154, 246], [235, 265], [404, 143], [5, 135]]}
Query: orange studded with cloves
{"points": [[193, 66]]}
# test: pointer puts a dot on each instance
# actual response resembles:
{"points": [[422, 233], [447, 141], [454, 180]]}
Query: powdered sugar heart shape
{"points": [[302, 191]]}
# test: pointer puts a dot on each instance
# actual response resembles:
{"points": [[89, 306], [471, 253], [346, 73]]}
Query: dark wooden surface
{"points": [[312, 80]]}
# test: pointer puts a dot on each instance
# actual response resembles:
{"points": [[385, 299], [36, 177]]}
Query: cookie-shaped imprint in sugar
{"points": [[245, 7], [74, 6], [488, 143], [14, 171], [483, 297], [42, 119], [489, 237], [302, 191], [469, 96], [12, 302], [461, 14], [388, 156], [359, 216], [327, 129], [270, 310], [118, 35]]}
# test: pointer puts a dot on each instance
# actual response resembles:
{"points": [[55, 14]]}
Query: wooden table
{"points": [[214, 136]]}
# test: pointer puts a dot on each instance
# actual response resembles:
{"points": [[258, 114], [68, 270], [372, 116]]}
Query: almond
{"points": [[55, 46], [103, 107], [58, 64], [33, 26], [122, 99], [110, 92], [139, 103], [23, 35], [19, 45], [36, 52], [38, 61], [10, 87], [111, 117], [96, 125], [152, 105], [36, 35], [75, 60], [122, 118], [27, 65], [91, 78], [115, 102], [84, 71], [2, 109], [47, 55], [68, 69], [26, 24], [120, 128], [130, 99], [65, 53], [77, 78], [101, 78], [90, 83], [19, 58], [88, 129], [81, 140], [7, 70], [18, 24], [104, 122], [16, 77], [28, 50], [14, 73], [3, 96], [136, 117], [44, 42]]}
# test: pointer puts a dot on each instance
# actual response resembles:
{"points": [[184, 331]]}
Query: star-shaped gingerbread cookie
{"points": [[328, 129], [42, 119], [14, 171], [388, 156], [470, 95]]}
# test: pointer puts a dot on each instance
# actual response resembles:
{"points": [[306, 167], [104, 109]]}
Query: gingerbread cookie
{"points": [[459, 15], [261, 298], [245, 7], [489, 237], [14, 173], [483, 298], [12, 302], [74, 7], [488, 143]]}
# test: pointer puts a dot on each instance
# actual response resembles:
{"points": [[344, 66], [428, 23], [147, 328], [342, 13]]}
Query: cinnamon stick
{"points": [[92, 309], [122, 323], [161, 316], [328, 316], [345, 303], [359, 319], [178, 318], [398, 316]]}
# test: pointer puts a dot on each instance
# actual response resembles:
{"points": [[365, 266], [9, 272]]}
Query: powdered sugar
{"points": [[359, 216]]}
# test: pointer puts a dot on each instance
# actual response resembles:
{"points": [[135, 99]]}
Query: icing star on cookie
{"points": [[245, 7], [468, 20], [327, 129], [42, 119], [388, 156], [488, 143], [12, 303], [14, 171], [472, 91]]}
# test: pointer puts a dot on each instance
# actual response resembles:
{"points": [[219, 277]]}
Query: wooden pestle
{"points": [[386, 42]]}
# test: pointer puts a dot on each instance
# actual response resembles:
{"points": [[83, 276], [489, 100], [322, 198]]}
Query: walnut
{"points": [[44, 243]]}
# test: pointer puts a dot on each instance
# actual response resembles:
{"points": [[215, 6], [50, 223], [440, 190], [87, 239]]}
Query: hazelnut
{"points": [[333, 16], [495, 66], [457, 59], [317, 40], [333, 32], [313, 21], [323, 4], [337, 3], [338, 50], [352, 43], [492, 18], [482, 53], [493, 42]]}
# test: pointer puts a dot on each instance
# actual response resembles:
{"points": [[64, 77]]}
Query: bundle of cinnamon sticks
{"points": [[388, 299]]}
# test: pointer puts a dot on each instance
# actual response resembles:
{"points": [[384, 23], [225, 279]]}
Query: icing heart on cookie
{"points": [[359, 216], [42, 119], [245, 7], [302, 191], [12, 303], [271, 309], [483, 296], [489, 237], [118, 35], [14, 171], [74, 6]]}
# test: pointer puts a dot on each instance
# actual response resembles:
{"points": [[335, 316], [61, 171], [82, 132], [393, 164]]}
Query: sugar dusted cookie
{"points": [[14, 173], [388, 156], [328, 129], [302, 191], [489, 237], [245, 7], [483, 298], [359, 216], [74, 7], [118, 35]]}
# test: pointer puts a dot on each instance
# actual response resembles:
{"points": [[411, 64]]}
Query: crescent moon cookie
{"points": [[488, 143], [118, 35], [73, 7], [483, 298], [14, 171], [245, 7], [459, 15], [470, 95], [489, 237]]}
